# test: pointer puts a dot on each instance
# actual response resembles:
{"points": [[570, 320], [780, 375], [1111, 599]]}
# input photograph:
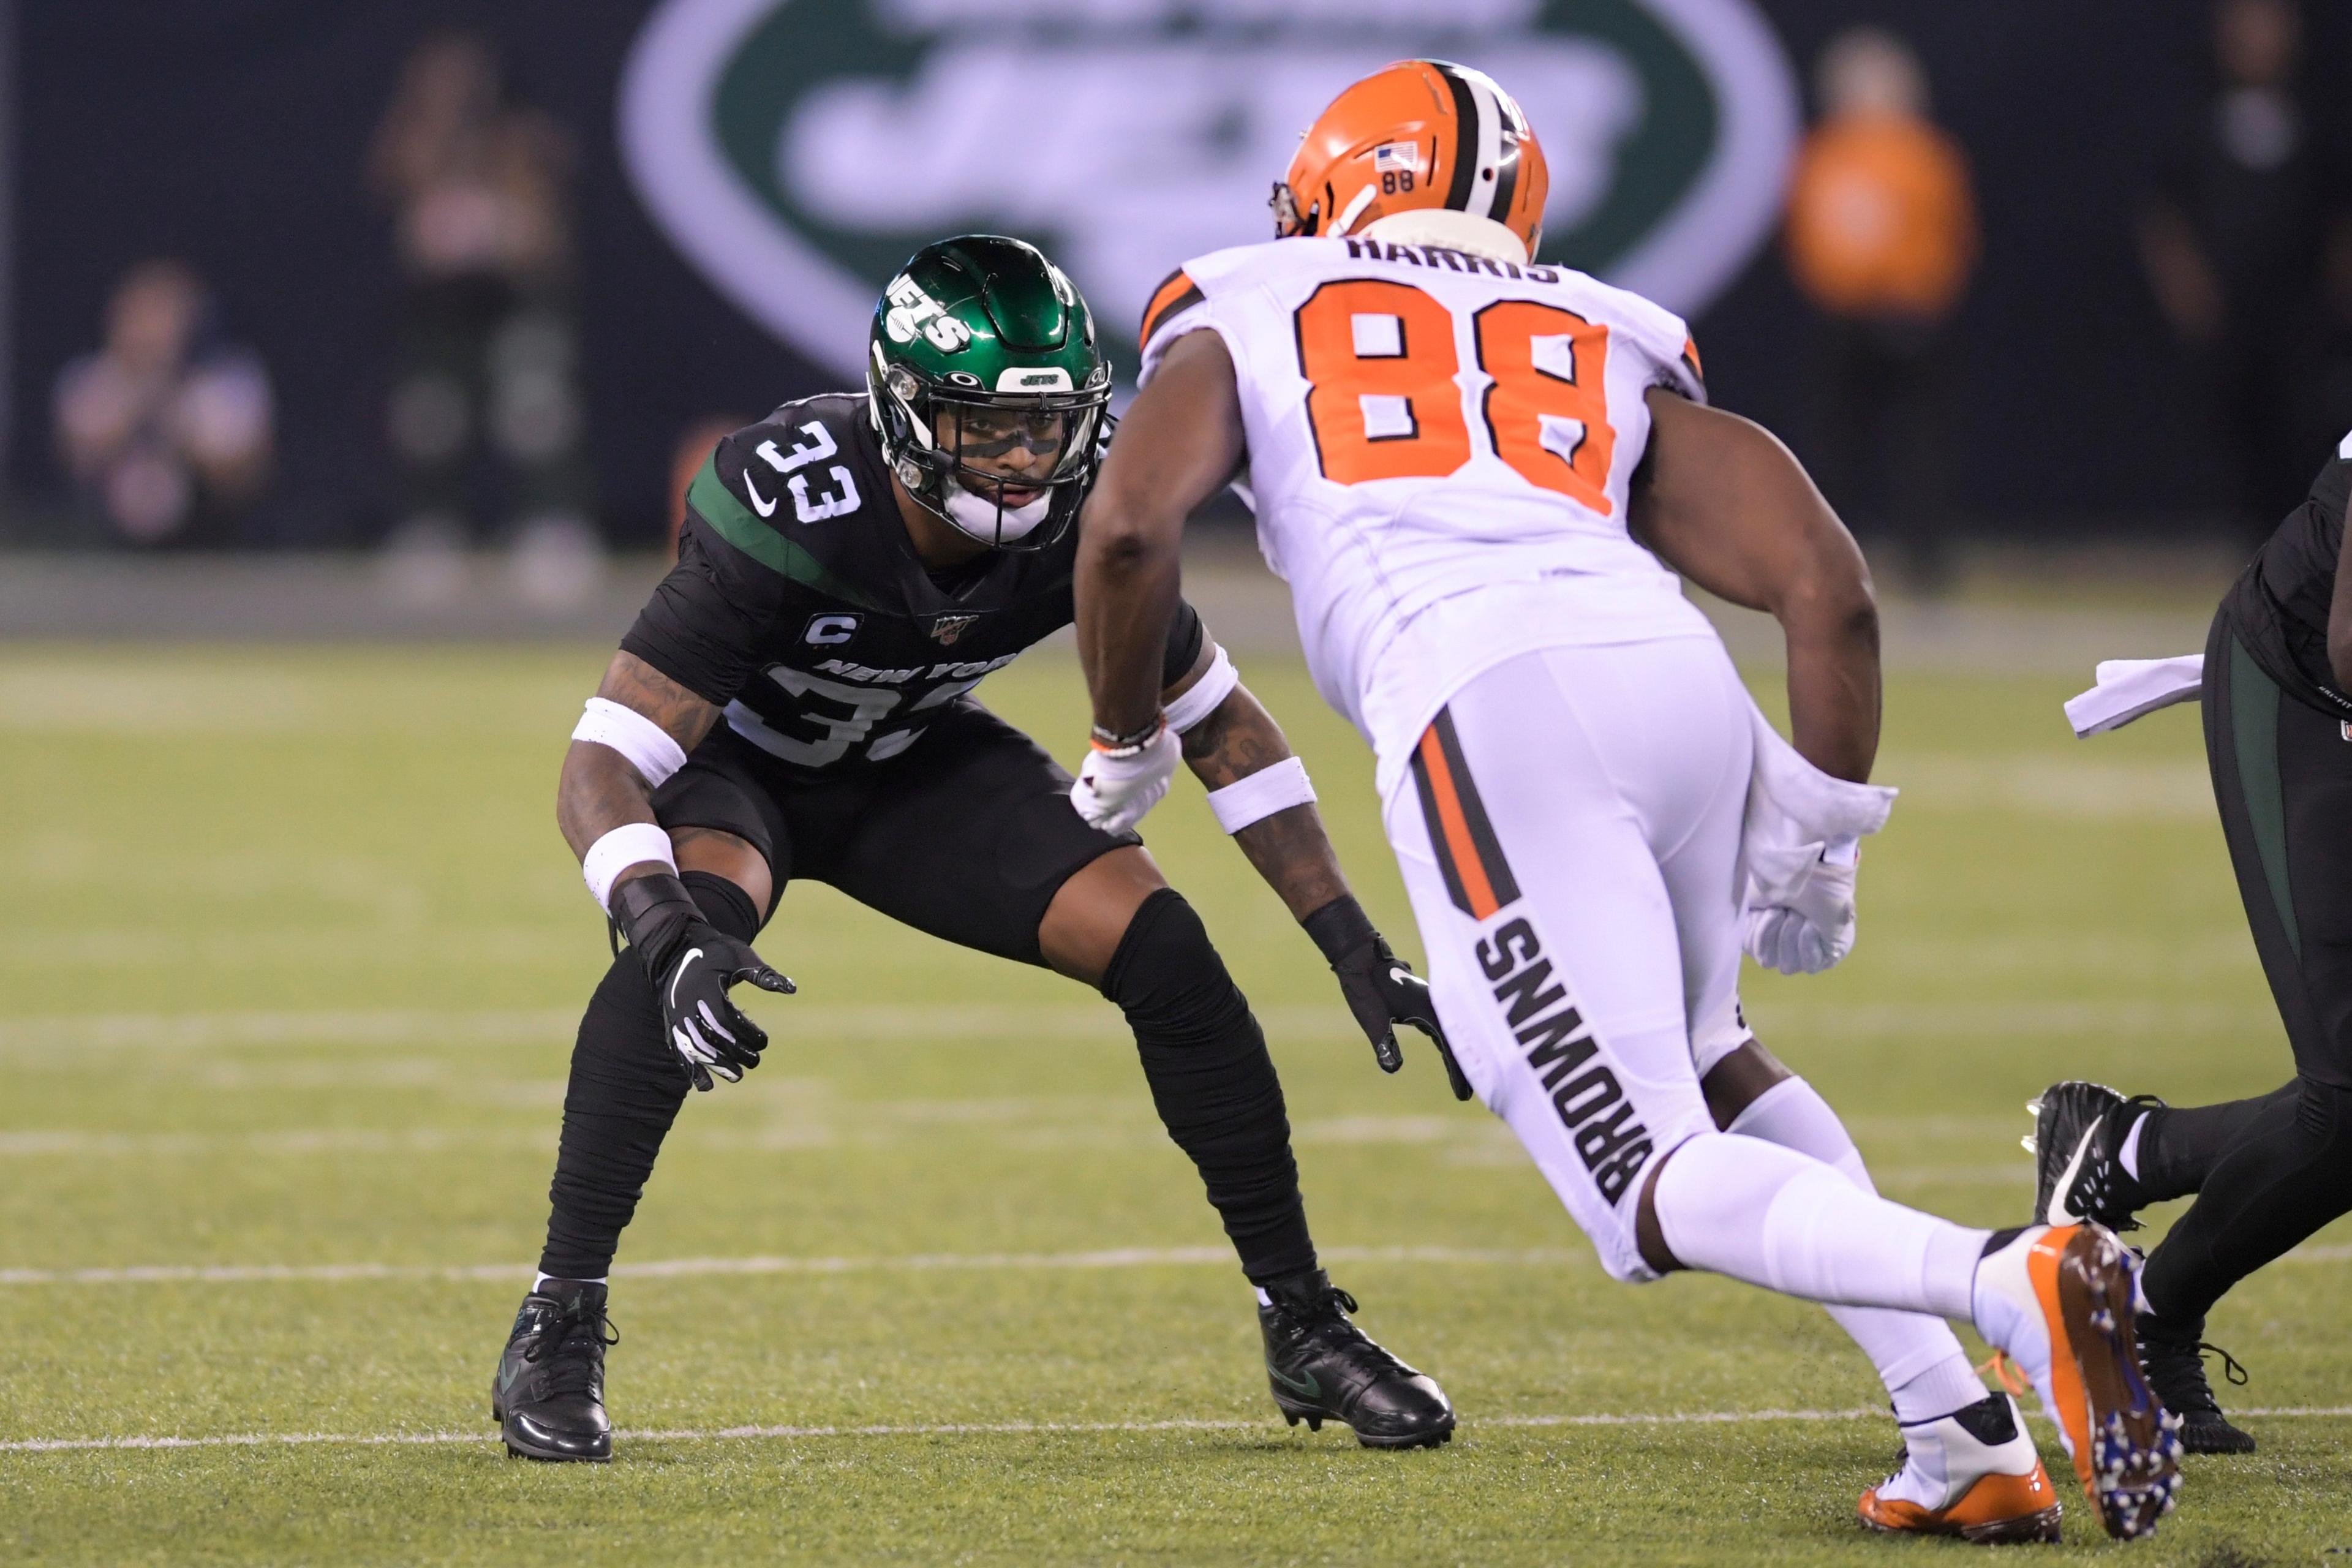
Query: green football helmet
{"points": [[987, 389]]}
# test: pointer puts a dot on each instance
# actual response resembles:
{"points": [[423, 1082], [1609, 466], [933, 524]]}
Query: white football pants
{"points": [[1569, 838]]}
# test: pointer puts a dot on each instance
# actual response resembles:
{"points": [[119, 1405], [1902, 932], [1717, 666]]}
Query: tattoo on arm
{"points": [[636, 685], [1289, 850], [599, 791]]}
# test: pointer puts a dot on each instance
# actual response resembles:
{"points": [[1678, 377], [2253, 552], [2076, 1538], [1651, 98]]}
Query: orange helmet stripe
{"points": [[1175, 294]]}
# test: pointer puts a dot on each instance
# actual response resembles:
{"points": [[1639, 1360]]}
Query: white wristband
{"points": [[1200, 700], [631, 844], [646, 745], [1260, 796]]}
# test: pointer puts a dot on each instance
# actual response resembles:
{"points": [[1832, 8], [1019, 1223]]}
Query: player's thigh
{"points": [[1553, 954], [724, 817], [970, 836], [2315, 775], [1700, 861]]}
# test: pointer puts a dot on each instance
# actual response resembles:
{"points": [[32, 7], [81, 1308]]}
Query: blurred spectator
{"points": [[1882, 236], [165, 429], [2233, 243], [488, 365]]}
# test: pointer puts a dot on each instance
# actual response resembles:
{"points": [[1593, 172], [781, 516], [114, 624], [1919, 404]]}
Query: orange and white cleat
{"points": [[1973, 1474], [2058, 1299]]}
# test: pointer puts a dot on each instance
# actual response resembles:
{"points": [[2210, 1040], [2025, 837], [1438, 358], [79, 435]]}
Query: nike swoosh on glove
{"points": [[692, 964], [1810, 924], [1116, 788], [1381, 989]]}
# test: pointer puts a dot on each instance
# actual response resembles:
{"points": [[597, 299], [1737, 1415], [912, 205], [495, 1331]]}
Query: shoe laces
{"points": [[2178, 1369], [572, 1347], [1323, 1320], [2007, 1373], [1902, 1462]]}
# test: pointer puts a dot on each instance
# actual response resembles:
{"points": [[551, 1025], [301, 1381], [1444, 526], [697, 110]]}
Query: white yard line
{"points": [[1004, 1429]]}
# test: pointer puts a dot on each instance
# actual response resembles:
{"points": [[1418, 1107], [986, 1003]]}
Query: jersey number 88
{"points": [[1384, 403]]}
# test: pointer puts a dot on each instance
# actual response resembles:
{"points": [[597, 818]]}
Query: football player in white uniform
{"points": [[1479, 475]]}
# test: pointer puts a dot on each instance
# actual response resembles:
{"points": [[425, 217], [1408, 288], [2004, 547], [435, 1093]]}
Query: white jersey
{"points": [[1441, 451]]}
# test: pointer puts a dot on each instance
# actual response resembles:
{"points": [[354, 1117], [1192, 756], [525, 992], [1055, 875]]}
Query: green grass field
{"points": [[287, 988]]}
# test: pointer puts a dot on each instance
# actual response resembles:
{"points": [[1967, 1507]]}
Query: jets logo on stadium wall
{"points": [[797, 151]]}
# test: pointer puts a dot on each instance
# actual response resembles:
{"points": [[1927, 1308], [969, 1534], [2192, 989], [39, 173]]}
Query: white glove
{"points": [[1116, 788], [1810, 924]]}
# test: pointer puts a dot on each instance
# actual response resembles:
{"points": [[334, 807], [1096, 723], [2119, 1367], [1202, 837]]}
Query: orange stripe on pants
{"points": [[1467, 866]]}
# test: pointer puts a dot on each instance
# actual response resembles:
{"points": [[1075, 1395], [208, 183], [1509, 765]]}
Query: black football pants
{"points": [[968, 836], [2269, 1171]]}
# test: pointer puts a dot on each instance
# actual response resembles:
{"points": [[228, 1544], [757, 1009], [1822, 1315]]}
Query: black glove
{"points": [[1381, 989], [691, 964]]}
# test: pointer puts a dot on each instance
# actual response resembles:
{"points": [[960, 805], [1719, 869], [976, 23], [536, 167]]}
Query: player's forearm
{"points": [[1833, 678], [1129, 578], [1290, 849], [1181, 443], [1294, 856], [598, 791]]}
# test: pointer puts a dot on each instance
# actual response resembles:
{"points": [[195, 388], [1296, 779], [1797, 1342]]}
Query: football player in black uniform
{"points": [[794, 702], [2267, 1171]]}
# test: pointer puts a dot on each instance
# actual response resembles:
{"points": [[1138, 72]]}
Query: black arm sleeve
{"points": [[704, 625], [1185, 635]]}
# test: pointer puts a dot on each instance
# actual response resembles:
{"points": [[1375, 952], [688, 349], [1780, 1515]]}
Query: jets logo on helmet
{"points": [[1419, 135], [987, 390]]}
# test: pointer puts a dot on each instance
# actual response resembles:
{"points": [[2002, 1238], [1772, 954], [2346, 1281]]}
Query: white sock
{"points": [[1918, 1358], [1739, 1207], [2128, 1157], [539, 1280]]}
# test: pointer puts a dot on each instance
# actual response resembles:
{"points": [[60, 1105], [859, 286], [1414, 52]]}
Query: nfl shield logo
{"points": [[947, 629]]}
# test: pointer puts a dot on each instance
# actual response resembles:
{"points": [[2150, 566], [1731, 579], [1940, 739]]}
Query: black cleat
{"points": [[549, 1390], [2078, 1133], [2173, 1362], [1322, 1367]]}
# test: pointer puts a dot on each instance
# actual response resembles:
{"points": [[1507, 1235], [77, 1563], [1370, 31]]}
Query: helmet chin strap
{"points": [[978, 516]]}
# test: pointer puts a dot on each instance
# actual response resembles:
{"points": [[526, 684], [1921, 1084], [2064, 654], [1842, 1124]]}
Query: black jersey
{"points": [[798, 603], [2278, 605]]}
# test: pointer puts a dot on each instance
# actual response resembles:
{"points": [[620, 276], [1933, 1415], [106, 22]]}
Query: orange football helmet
{"points": [[1419, 133]]}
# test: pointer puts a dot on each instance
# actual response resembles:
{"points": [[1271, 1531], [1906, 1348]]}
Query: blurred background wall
{"points": [[252, 149]]}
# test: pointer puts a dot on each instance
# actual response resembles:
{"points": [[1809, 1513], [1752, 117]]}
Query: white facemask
{"points": [[977, 516]]}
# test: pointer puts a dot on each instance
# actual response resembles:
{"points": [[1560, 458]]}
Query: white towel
{"points": [[1794, 812], [2131, 689]]}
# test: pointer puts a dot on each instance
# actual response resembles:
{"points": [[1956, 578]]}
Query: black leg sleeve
{"points": [[2179, 1145], [1213, 1081], [2268, 1193], [626, 1085]]}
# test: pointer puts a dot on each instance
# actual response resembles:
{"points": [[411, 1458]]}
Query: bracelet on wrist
{"points": [[1127, 746]]}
